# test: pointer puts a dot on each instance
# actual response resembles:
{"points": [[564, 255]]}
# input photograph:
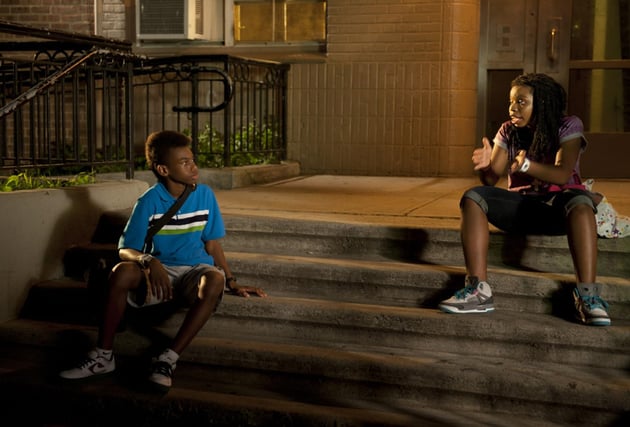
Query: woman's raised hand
{"points": [[481, 156]]}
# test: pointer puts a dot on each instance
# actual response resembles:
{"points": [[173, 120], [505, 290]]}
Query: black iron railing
{"points": [[233, 108], [84, 102], [55, 96]]}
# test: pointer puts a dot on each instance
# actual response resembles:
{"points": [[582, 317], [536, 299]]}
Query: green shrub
{"points": [[245, 146], [25, 181]]}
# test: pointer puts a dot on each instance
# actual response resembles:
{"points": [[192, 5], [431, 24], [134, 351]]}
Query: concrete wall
{"points": [[38, 226]]}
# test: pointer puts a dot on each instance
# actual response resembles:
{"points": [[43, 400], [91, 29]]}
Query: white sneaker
{"points": [[93, 364], [475, 297], [162, 373]]}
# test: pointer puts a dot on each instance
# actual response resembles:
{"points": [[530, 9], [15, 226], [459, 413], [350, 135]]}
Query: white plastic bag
{"points": [[610, 224]]}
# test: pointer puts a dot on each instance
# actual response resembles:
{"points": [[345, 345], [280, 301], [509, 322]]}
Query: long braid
{"points": [[549, 105]]}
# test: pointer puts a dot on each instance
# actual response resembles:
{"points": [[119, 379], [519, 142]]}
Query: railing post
{"points": [[283, 111], [91, 114], [130, 120], [227, 116], [194, 133]]}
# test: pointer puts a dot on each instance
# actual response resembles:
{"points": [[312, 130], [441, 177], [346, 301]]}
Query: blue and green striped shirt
{"points": [[182, 240]]}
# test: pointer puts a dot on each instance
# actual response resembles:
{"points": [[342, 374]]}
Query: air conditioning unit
{"points": [[170, 20]]}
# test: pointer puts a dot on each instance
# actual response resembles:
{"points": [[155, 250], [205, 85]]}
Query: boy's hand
{"points": [[244, 291], [159, 283]]}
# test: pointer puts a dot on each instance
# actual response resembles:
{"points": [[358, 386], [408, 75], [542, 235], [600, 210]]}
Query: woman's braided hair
{"points": [[550, 100]]}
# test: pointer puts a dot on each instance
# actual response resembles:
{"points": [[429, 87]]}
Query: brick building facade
{"points": [[395, 93]]}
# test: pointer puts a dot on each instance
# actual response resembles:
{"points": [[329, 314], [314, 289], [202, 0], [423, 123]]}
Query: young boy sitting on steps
{"points": [[186, 261]]}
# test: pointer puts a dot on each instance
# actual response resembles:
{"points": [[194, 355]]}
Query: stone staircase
{"points": [[349, 336]]}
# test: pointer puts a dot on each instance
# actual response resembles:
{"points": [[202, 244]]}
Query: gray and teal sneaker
{"points": [[475, 297], [590, 308]]}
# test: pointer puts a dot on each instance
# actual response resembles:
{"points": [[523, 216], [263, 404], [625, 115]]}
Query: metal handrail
{"points": [[61, 36], [136, 95], [228, 93], [55, 77]]}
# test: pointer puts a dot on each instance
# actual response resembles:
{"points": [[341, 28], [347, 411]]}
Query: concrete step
{"points": [[330, 323], [350, 334], [423, 245], [414, 285], [208, 395], [426, 245], [353, 382], [389, 282]]}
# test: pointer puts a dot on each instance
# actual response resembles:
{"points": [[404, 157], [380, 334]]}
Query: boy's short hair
{"points": [[158, 145]]}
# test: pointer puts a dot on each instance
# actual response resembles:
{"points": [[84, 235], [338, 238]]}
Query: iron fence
{"points": [[65, 101], [234, 109], [89, 103]]}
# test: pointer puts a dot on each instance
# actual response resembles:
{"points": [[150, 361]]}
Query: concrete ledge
{"points": [[243, 176], [229, 178], [38, 227]]}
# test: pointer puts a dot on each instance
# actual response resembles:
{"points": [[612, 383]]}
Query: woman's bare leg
{"points": [[475, 236], [582, 237]]}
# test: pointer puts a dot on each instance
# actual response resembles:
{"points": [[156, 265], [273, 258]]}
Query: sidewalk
{"points": [[396, 201]]}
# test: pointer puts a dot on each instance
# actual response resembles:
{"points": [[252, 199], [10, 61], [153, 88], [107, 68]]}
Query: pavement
{"points": [[396, 201]]}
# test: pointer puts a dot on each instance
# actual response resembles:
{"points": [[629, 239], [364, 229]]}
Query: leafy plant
{"points": [[209, 148], [252, 145], [25, 181]]}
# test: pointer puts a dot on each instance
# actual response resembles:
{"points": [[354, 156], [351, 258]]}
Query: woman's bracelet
{"points": [[524, 166]]}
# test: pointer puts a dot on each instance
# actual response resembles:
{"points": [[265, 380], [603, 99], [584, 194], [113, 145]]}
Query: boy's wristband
{"points": [[144, 260]]}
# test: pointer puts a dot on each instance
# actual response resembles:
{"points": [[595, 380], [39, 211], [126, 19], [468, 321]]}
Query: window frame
{"points": [[219, 28]]}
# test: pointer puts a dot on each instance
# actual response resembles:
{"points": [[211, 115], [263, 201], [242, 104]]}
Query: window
{"points": [[279, 21], [232, 22]]}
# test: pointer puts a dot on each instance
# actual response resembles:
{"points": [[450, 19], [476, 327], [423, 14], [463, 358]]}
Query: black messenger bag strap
{"points": [[157, 225]]}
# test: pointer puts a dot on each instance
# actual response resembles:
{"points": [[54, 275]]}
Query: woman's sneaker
{"points": [[162, 373], [590, 308], [475, 297], [95, 363]]}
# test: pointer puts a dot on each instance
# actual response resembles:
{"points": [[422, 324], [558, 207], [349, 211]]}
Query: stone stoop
{"points": [[206, 394], [439, 246], [340, 379], [349, 335]]}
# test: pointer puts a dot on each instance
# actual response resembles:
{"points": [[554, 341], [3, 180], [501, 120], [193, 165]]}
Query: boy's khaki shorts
{"points": [[185, 281]]}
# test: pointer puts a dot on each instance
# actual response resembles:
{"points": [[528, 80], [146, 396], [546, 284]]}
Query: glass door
{"points": [[599, 81], [584, 45]]}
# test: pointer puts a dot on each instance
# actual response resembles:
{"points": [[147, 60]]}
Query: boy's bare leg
{"points": [[209, 295], [124, 277]]}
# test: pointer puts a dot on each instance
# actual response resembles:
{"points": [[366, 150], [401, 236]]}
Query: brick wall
{"points": [[112, 20], [396, 95], [67, 15]]}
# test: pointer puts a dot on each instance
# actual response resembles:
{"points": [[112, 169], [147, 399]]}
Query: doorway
{"points": [[585, 46]]}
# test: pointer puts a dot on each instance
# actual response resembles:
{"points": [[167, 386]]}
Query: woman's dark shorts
{"points": [[519, 213]]}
